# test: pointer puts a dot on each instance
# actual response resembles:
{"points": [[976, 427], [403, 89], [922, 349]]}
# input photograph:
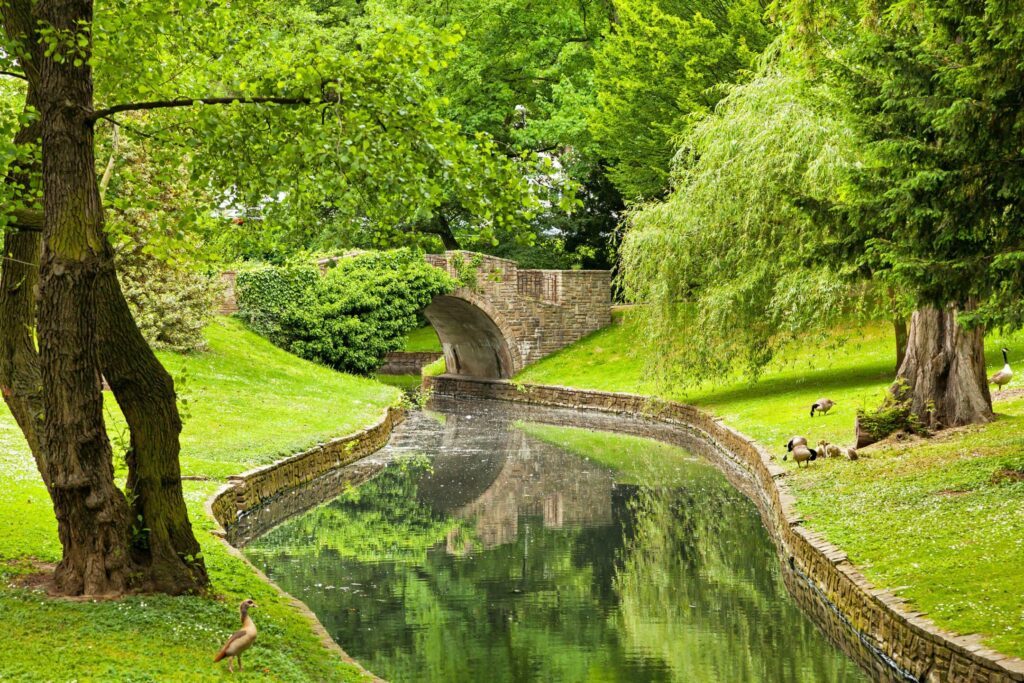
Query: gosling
{"points": [[822, 405], [1003, 377], [802, 453], [831, 450], [241, 640]]}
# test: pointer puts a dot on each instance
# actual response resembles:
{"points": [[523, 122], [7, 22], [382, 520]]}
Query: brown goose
{"points": [[240, 640], [822, 405], [803, 454]]}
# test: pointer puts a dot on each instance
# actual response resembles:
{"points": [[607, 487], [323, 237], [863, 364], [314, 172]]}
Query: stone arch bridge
{"points": [[506, 317], [503, 317]]}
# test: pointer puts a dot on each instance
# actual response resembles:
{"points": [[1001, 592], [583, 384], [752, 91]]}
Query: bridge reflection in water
{"points": [[481, 551]]}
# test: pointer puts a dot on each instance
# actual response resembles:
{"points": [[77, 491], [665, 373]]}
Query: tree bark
{"points": [[943, 373], [93, 516], [900, 327], [145, 391], [444, 231]]}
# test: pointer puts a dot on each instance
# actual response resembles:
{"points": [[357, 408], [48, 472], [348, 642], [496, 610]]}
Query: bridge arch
{"points": [[476, 339]]}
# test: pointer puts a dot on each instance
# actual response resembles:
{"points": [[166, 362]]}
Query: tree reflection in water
{"points": [[540, 564]]}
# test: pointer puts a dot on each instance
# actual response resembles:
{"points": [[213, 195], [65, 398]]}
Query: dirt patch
{"points": [[1007, 394], [33, 574], [1007, 475]]}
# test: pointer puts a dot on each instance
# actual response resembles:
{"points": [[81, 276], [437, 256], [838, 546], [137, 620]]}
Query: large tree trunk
{"points": [[943, 373], [93, 516], [84, 325], [145, 392]]}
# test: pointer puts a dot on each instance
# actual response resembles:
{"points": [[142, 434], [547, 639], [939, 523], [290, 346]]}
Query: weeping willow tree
{"points": [[897, 163], [749, 247]]}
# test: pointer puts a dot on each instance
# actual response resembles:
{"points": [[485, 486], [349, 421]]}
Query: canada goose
{"points": [[822, 405], [241, 639], [831, 450], [802, 453], [1003, 377], [794, 442]]}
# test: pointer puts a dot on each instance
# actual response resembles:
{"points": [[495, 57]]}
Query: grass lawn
{"points": [[248, 403], [941, 521], [423, 339]]}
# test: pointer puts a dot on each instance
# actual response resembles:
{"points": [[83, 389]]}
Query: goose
{"points": [[240, 640], [822, 405], [801, 454], [794, 442], [1003, 377]]}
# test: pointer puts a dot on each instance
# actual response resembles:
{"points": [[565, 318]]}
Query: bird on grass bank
{"points": [[794, 442], [822, 405], [1003, 377], [801, 453], [831, 450], [240, 640]]}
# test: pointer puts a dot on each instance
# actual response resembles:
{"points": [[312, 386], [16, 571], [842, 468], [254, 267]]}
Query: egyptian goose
{"points": [[240, 640]]}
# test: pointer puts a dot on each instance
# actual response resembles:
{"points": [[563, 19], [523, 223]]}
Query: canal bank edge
{"points": [[259, 486], [901, 638]]}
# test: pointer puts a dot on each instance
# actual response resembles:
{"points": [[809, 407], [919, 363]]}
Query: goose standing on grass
{"points": [[822, 405], [240, 640], [801, 453], [794, 442], [1003, 377]]}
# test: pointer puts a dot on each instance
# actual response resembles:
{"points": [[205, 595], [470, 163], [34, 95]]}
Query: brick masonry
{"points": [[509, 317], [407, 362], [873, 626]]}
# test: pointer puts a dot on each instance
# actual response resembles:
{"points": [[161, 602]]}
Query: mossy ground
{"points": [[248, 404], [939, 521]]}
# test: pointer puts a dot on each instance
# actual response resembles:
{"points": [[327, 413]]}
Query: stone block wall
{"points": [[873, 626], [407, 362], [538, 311], [259, 487], [228, 301]]}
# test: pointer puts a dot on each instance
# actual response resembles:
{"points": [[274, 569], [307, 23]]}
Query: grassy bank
{"points": [[248, 403], [941, 521]]}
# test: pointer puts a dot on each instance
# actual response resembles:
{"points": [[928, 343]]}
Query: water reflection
{"points": [[485, 551]]}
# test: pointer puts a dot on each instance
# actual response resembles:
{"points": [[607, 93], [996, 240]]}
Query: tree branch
{"points": [[14, 74], [171, 104]]}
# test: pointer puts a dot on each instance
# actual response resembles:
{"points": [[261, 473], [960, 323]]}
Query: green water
{"points": [[492, 550]]}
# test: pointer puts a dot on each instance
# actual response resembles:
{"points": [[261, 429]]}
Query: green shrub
{"points": [[171, 302], [265, 293], [351, 317]]}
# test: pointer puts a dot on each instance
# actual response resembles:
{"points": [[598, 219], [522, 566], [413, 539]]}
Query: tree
{"points": [[661, 68], [875, 164], [326, 113], [940, 212]]}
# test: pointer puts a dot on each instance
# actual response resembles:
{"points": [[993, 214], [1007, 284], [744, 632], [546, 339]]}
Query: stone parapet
{"points": [[878, 629]]}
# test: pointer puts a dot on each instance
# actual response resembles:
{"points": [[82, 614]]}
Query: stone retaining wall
{"points": [[876, 627], [258, 488], [407, 362]]}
